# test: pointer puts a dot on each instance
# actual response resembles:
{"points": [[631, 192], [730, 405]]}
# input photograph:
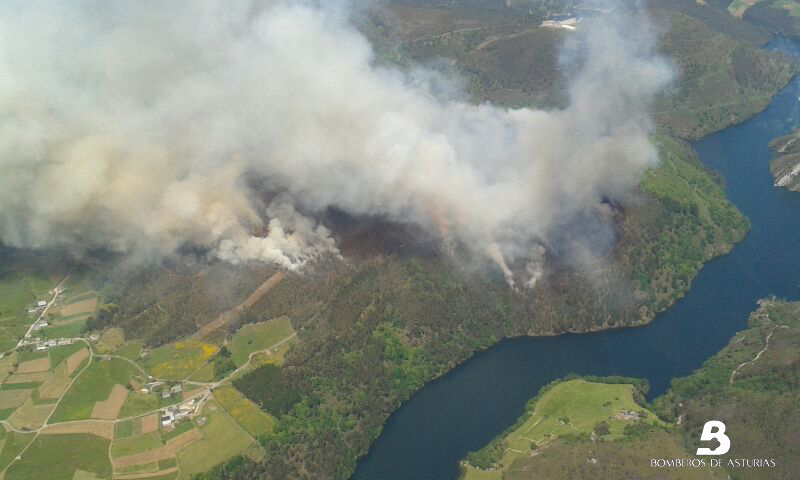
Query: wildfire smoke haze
{"points": [[142, 126]]}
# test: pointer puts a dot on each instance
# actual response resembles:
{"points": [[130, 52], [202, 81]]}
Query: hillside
{"points": [[785, 164], [723, 77], [584, 429], [751, 385]]}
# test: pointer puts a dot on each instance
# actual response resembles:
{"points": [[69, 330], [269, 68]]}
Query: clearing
{"points": [[248, 302], [568, 408], [258, 336], [222, 439], [176, 361], [244, 411]]}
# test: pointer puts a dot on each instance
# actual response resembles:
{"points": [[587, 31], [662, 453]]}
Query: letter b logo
{"points": [[719, 435]]}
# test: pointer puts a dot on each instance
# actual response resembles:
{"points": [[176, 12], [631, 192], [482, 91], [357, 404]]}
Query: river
{"points": [[463, 410]]}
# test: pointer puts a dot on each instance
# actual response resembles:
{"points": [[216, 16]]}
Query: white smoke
{"points": [[141, 126]]}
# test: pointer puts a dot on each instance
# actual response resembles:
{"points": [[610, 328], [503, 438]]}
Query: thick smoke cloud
{"points": [[142, 126]]}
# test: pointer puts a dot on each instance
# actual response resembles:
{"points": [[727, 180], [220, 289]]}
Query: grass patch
{"points": [[112, 339], [135, 444], [222, 439], [180, 428], [246, 413], [70, 330], [566, 409], [138, 403], [254, 337], [167, 463], [58, 354], [130, 350], [19, 386], [27, 355], [14, 443], [142, 468], [127, 428], [52, 457], [205, 374], [176, 361], [94, 385]]}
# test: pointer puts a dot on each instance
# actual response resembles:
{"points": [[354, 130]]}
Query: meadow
{"points": [[93, 385], [256, 421], [565, 410], [259, 336], [222, 439], [54, 457], [177, 361]]}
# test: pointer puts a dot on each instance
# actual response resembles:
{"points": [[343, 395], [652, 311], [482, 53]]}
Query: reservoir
{"points": [[464, 409]]}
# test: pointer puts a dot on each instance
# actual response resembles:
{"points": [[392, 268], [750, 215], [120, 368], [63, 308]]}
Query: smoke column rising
{"points": [[141, 126]]}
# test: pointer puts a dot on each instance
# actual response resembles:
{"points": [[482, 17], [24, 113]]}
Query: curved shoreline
{"points": [[499, 380]]}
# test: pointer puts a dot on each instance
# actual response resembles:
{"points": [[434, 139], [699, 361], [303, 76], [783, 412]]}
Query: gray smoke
{"points": [[139, 126]]}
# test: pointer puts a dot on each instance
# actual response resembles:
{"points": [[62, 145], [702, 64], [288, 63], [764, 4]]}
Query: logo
{"points": [[718, 435]]}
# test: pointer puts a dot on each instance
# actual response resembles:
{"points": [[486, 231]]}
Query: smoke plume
{"points": [[143, 126]]}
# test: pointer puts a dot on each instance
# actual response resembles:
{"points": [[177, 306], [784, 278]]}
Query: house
{"points": [[167, 420], [41, 304], [176, 389]]}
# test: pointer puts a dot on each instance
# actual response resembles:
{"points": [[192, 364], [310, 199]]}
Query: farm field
{"points": [[21, 285], [246, 413], [566, 409], [92, 386], [177, 361], [254, 337], [222, 439], [53, 457], [130, 350]]}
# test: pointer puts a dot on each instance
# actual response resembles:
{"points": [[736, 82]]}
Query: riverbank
{"points": [[492, 387]]}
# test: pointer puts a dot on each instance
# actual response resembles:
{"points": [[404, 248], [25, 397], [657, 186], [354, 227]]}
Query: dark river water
{"points": [[468, 406]]}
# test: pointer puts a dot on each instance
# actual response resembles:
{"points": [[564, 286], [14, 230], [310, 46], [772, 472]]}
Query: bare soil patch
{"points": [[31, 366], [169, 450], [74, 360], [131, 476], [56, 384], [101, 429], [150, 423], [13, 398], [84, 306], [109, 408]]}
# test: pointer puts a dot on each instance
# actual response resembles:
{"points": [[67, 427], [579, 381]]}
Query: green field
{"points": [[566, 409], [130, 350], [138, 403], [128, 428], [135, 444], [53, 457], [222, 439], [246, 413], [59, 354], [176, 361], [64, 330], [259, 336], [92, 386], [13, 443]]}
